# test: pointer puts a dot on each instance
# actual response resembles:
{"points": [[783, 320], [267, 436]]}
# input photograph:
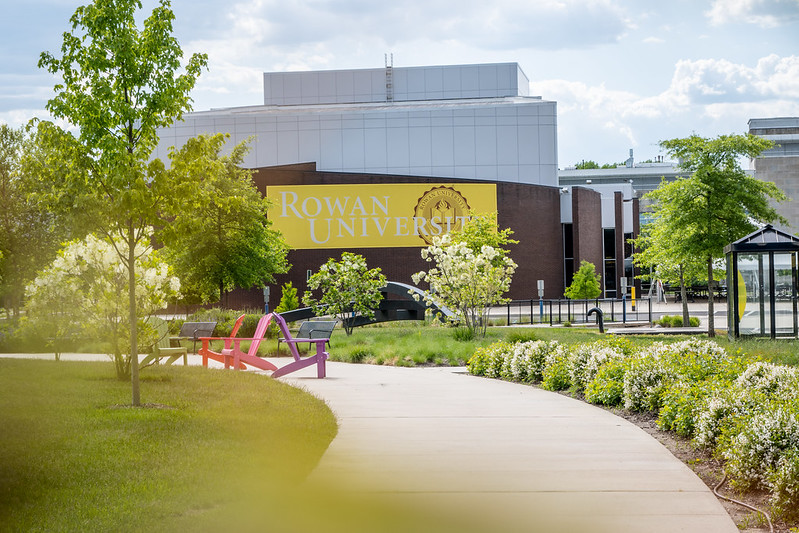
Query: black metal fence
{"points": [[575, 311]]}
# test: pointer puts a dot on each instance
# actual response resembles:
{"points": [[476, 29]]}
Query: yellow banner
{"points": [[384, 215]]}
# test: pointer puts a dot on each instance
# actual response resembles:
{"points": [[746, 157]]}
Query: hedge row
{"points": [[746, 412]]}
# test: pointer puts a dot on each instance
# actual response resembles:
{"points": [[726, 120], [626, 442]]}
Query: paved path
{"points": [[509, 456]]}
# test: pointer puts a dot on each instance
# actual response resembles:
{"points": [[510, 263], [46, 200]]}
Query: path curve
{"points": [[510, 456]]}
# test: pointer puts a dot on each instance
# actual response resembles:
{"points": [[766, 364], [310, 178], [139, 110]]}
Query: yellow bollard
{"points": [[632, 296]]}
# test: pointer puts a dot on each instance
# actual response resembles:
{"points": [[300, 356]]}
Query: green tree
{"points": [[586, 283], [349, 289], [718, 203], [481, 230], [84, 289], [219, 237], [472, 270], [288, 298], [586, 165], [30, 233], [660, 249], [118, 85]]}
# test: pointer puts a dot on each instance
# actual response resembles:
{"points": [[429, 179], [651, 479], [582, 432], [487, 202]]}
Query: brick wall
{"points": [[587, 228], [531, 211]]}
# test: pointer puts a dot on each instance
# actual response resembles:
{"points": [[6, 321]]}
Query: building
{"points": [[464, 122], [643, 177], [780, 164], [377, 161]]}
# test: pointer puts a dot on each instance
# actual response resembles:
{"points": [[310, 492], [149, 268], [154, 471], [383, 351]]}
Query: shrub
{"points": [[644, 383], [675, 321], [586, 361], [529, 359], [607, 386], [757, 444], [487, 360], [771, 379], [661, 364], [682, 402], [556, 369], [783, 481], [721, 411], [521, 335]]}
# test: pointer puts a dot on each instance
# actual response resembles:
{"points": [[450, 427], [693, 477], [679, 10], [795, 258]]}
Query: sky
{"points": [[626, 74]]}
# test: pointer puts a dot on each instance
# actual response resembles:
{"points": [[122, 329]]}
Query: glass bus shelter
{"points": [[762, 285]]}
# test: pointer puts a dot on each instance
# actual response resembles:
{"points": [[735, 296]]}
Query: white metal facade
{"points": [[462, 121]]}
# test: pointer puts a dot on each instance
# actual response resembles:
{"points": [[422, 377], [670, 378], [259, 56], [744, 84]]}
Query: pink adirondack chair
{"points": [[234, 356]]}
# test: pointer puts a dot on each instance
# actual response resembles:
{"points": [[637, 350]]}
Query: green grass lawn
{"points": [[75, 457], [214, 451], [414, 344]]}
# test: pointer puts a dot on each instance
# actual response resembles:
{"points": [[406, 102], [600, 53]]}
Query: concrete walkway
{"points": [[507, 456]]}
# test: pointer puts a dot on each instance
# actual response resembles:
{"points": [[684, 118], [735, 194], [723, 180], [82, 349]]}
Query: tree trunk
{"points": [[134, 345], [686, 317], [711, 325]]}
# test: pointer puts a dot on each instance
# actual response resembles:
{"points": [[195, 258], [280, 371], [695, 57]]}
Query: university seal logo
{"points": [[440, 210]]}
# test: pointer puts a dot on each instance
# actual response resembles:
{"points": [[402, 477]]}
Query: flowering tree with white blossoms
{"points": [[85, 289], [467, 281], [348, 288]]}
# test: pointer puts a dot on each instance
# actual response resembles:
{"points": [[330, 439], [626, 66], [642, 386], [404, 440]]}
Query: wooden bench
{"points": [[313, 329], [194, 330]]}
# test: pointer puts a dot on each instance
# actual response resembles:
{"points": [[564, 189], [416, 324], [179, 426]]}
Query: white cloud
{"points": [[502, 24], [706, 96], [709, 81], [764, 13]]}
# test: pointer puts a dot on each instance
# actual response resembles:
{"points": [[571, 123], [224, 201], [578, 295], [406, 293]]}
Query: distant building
{"points": [[780, 164], [378, 161], [643, 177]]}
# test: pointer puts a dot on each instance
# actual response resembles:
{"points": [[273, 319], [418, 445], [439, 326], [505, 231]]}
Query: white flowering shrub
{"points": [[660, 365], [489, 360], [532, 357], [598, 358], [645, 380], [90, 283], [520, 361], [557, 366], [577, 367], [465, 281], [783, 482], [758, 444], [771, 379], [721, 411]]}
